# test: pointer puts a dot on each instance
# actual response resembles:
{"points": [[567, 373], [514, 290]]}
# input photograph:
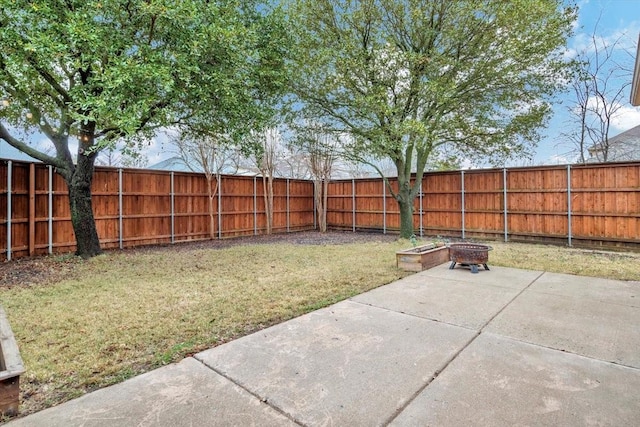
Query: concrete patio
{"points": [[439, 348]]}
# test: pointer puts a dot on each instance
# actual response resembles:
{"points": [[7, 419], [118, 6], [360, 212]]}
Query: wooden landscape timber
{"points": [[422, 257], [11, 367]]}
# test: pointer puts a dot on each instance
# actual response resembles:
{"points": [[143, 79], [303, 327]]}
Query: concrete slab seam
{"points": [[455, 356], [413, 315], [510, 301], [633, 305], [552, 348], [607, 362], [242, 386], [430, 380]]}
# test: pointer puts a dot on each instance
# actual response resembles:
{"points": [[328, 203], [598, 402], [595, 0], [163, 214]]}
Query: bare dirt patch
{"points": [[36, 271]]}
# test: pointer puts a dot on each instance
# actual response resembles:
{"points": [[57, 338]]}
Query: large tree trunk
{"points": [[325, 198], [405, 198], [82, 219], [406, 218], [212, 218], [408, 190], [321, 206], [267, 192]]}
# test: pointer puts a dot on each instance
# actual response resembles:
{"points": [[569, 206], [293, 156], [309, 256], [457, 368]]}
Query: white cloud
{"points": [[600, 34], [626, 118], [559, 159]]}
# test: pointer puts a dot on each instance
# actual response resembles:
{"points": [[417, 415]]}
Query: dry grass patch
{"points": [[124, 313], [557, 259]]}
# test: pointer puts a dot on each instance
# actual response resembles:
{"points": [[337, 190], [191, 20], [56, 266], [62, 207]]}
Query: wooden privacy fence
{"points": [[590, 205], [135, 207]]}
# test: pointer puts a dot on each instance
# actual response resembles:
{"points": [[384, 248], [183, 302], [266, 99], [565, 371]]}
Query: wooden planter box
{"points": [[422, 257], [11, 368]]}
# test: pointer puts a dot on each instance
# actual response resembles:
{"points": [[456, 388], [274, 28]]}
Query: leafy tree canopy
{"points": [[409, 78], [110, 68], [99, 70]]}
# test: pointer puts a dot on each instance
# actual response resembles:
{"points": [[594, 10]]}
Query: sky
{"points": [[611, 19]]}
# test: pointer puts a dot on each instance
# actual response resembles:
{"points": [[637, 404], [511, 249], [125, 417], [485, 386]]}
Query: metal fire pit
{"points": [[470, 254]]}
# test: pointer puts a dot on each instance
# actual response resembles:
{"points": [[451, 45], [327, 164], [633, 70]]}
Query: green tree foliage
{"points": [[408, 79], [95, 71]]}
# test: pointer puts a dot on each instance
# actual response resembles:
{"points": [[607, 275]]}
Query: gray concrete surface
{"points": [[498, 381], [182, 394], [441, 348], [349, 364], [457, 299], [587, 316]]}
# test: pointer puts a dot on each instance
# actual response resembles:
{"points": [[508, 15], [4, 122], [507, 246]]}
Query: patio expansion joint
{"points": [[546, 347], [554, 294], [483, 327], [455, 356], [412, 315], [633, 304], [435, 375], [263, 400]]}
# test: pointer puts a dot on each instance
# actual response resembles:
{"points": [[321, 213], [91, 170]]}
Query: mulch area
{"points": [[50, 269]]}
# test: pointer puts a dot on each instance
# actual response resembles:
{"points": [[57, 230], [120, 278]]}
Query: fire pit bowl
{"points": [[470, 254]]}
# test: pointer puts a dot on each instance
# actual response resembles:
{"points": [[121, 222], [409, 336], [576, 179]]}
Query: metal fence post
{"points": [[421, 226], [353, 203], [120, 208], [50, 207], [569, 204], [255, 206], [219, 178], [462, 192], [315, 208], [173, 209], [504, 194], [288, 225], [9, 183], [384, 207], [32, 209]]}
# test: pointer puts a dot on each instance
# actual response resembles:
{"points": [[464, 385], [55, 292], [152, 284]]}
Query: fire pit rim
{"points": [[472, 254], [471, 246]]}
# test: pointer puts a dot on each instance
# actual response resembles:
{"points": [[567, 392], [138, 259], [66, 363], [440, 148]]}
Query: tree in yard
{"points": [[599, 86], [264, 148], [578, 115], [321, 151], [209, 154], [294, 163], [409, 78], [89, 73]]}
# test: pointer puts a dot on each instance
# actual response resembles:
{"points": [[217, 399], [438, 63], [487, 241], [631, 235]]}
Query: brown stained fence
{"points": [[588, 205], [140, 207]]}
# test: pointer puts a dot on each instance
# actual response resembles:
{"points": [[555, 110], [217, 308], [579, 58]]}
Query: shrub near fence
{"points": [[588, 205], [135, 207]]}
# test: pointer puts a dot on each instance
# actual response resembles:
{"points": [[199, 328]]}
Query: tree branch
{"points": [[27, 149]]}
